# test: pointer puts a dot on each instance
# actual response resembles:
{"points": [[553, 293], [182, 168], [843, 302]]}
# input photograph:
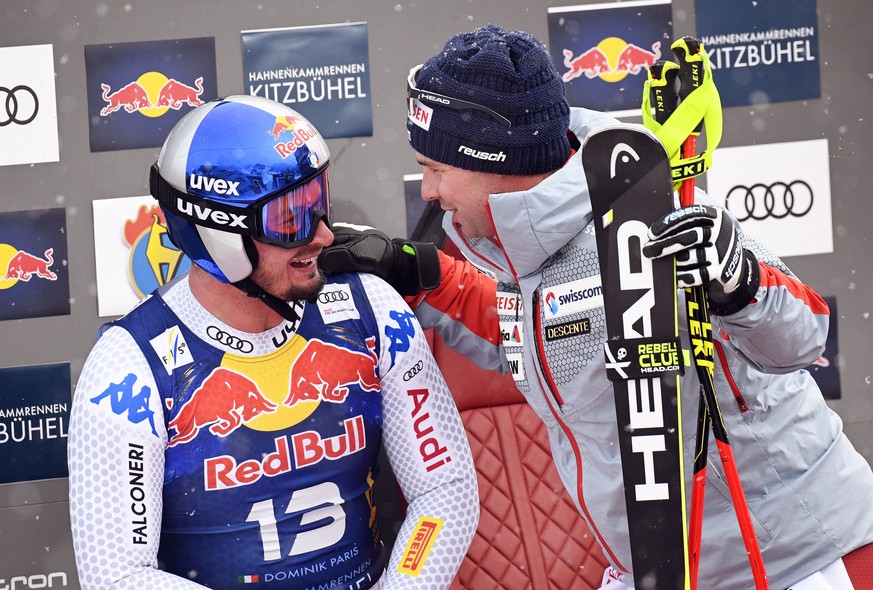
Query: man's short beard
{"points": [[295, 292]]}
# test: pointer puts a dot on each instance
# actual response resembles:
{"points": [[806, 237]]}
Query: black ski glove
{"points": [[708, 252], [407, 266]]}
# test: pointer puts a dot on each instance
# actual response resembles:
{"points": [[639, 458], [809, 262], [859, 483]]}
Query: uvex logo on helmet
{"points": [[205, 213], [213, 185]]}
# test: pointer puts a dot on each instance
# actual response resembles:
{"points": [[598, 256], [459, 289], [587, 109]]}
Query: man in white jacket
{"points": [[500, 152]]}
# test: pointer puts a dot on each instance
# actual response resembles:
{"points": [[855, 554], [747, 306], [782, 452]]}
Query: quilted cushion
{"points": [[530, 534]]}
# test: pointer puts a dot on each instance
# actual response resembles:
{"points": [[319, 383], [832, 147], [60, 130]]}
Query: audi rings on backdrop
{"points": [[777, 200], [229, 340], [20, 114]]}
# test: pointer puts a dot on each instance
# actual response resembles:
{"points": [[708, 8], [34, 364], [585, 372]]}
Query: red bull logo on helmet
{"points": [[283, 123], [611, 60], [300, 133]]}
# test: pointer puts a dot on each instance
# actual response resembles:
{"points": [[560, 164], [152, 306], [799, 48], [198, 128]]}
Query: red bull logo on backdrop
{"points": [[138, 91], [603, 51], [611, 60], [33, 268], [152, 95]]}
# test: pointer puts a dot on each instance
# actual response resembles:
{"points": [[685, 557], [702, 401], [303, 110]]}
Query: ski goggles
{"points": [[288, 218], [415, 93]]}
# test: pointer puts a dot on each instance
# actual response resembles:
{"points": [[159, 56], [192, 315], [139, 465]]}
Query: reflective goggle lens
{"points": [[291, 219]]}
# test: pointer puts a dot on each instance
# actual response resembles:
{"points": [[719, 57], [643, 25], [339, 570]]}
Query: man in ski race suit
{"points": [[488, 120], [226, 431]]}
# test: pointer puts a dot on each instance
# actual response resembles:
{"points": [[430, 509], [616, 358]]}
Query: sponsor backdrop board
{"points": [[602, 51], [825, 370], [34, 278], [780, 193], [138, 91], [132, 251], [34, 417], [323, 72], [28, 111], [761, 52], [415, 205], [37, 547]]}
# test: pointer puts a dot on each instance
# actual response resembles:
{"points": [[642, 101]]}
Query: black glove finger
{"points": [[343, 239], [673, 244], [341, 260], [683, 219]]}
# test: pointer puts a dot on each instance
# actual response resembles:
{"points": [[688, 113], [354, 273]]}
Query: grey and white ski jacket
{"points": [[809, 491]]}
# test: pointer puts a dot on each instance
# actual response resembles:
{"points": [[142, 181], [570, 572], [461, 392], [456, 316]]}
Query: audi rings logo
{"points": [[332, 296], [21, 104], [229, 340], [415, 370], [777, 200]]}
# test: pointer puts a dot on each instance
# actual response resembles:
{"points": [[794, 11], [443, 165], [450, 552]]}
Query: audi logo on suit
{"points": [[415, 370], [332, 296], [229, 340]]}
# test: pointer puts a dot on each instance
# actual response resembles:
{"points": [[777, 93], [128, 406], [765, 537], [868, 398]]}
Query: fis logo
{"points": [[171, 348]]}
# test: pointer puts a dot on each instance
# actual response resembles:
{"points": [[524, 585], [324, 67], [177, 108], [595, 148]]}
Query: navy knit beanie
{"points": [[509, 72]]}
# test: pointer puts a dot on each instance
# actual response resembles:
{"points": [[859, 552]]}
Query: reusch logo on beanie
{"points": [[509, 72]]}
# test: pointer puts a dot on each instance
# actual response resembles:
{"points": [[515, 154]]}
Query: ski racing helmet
{"points": [[237, 169]]}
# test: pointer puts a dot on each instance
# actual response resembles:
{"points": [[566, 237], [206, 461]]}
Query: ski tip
{"points": [[615, 129], [617, 157]]}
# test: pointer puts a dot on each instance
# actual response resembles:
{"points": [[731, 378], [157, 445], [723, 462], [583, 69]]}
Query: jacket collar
{"points": [[533, 225]]}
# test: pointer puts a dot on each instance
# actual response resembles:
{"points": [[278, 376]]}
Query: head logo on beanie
{"points": [[490, 101]]}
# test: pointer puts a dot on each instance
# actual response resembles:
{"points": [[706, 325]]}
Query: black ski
{"points": [[628, 175]]}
